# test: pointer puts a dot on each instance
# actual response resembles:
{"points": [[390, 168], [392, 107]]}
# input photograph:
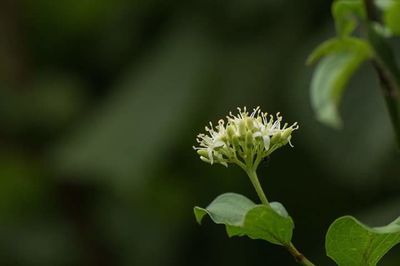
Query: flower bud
{"points": [[203, 153], [235, 141], [249, 139], [242, 128], [204, 159], [287, 132], [249, 123], [230, 131], [243, 135], [276, 138]]}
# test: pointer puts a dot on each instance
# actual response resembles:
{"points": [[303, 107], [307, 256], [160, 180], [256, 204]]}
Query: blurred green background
{"points": [[100, 103]]}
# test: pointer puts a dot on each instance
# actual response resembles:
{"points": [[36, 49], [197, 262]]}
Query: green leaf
{"points": [[331, 76], [346, 14], [338, 45], [228, 208], [350, 243], [244, 218], [263, 222], [391, 17], [384, 4]]}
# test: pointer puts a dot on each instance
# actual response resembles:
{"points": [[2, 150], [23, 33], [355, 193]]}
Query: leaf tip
{"points": [[329, 116], [199, 214], [311, 60]]}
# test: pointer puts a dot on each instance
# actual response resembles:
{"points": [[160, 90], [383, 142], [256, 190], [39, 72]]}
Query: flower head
{"points": [[244, 139]]}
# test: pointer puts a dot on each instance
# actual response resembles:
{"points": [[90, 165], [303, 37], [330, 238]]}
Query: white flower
{"points": [[245, 139]]}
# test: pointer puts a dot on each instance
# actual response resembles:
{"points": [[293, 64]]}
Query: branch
{"points": [[386, 68]]}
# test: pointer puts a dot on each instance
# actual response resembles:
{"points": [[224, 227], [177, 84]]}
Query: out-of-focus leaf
{"points": [[346, 14], [358, 170], [243, 218], [330, 78], [392, 17], [323, 49], [381, 30], [350, 243], [384, 4], [337, 45]]}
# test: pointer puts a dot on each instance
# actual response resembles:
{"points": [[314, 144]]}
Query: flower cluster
{"points": [[245, 139]]}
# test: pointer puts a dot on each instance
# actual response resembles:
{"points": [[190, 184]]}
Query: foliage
{"points": [[348, 242], [242, 217], [341, 58], [343, 55], [99, 103]]}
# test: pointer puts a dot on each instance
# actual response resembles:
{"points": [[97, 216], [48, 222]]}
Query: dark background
{"points": [[100, 103]]}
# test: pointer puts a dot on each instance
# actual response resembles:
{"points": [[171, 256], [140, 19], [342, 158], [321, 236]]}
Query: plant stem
{"points": [[391, 95], [371, 10], [257, 186], [386, 68], [300, 258]]}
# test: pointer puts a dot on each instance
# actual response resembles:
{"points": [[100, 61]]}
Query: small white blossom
{"points": [[245, 140]]}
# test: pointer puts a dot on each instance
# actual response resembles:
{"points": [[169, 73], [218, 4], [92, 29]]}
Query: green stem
{"points": [[257, 186], [300, 258]]}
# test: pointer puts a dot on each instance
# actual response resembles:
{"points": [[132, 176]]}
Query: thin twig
{"points": [[300, 258], [385, 67]]}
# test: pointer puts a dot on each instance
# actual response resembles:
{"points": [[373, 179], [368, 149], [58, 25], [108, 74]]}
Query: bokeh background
{"points": [[100, 103]]}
